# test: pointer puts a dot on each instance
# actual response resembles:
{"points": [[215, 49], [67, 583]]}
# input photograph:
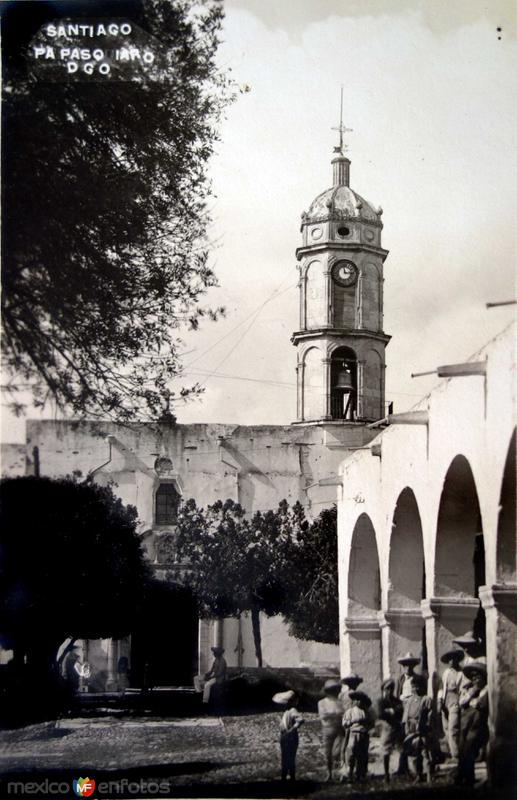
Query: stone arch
{"points": [[364, 587], [313, 390], [506, 557], [315, 304], [458, 527], [406, 584], [362, 627], [406, 587], [459, 564]]}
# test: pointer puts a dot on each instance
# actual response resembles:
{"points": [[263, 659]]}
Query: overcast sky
{"points": [[429, 90]]}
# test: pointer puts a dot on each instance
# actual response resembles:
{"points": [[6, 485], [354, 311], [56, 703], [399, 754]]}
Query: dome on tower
{"points": [[341, 202]]}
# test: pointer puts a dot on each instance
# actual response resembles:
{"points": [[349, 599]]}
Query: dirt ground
{"points": [[202, 757]]}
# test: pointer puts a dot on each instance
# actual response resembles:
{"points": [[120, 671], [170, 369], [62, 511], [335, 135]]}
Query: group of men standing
{"points": [[407, 719]]}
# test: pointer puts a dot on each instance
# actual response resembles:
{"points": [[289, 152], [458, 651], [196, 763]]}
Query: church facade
{"points": [[340, 349]]}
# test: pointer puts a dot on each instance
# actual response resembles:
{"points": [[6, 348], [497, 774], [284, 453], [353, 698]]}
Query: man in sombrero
{"points": [[408, 663], [449, 697], [474, 721]]}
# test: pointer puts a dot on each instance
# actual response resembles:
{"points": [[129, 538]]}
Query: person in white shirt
{"points": [[449, 698], [330, 712]]}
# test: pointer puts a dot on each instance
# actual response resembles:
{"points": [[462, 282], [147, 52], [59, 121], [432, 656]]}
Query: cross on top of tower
{"points": [[342, 129]]}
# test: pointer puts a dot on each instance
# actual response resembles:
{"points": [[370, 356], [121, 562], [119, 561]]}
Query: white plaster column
{"points": [[112, 661], [402, 630], [218, 633], [500, 605], [445, 618], [204, 638], [363, 645]]}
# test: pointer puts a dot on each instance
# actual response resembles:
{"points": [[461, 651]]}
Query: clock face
{"points": [[344, 273]]}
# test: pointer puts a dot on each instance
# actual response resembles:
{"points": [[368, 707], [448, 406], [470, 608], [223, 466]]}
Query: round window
{"points": [[316, 233], [343, 230], [369, 235]]}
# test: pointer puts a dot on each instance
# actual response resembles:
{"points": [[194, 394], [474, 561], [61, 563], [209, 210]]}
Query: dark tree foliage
{"points": [[105, 249], [312, 608], [234, 564], [71, 565]]}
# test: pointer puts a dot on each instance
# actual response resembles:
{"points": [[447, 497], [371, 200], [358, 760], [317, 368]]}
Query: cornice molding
{"points": [[341, 247]]}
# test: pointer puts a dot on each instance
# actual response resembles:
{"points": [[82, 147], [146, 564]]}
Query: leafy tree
{"points": [[71, 565], [104, 229], [311, 607], [234, 563]]}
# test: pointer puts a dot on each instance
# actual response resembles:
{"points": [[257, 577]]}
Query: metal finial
{"points": [[341, 128]]}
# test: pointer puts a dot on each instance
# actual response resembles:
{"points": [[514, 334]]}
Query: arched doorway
{"points": [[343, 380], [164, 643], [362, 628], [406, 584], [459, 554]]}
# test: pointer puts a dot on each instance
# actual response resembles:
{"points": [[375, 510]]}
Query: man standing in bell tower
{"points": [[340, 343]]}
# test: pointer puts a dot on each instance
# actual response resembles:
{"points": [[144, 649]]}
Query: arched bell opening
{"points": [[343, 378]]}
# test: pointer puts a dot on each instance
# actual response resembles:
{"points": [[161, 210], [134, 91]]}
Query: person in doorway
{"points": [[289, 725], [330, 712], [216, 675], [417, 722], [357, 722], [389, 722], [474, 722], [449, 698]]}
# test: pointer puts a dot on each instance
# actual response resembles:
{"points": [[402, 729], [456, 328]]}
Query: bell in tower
{"points": [[340, 341]]}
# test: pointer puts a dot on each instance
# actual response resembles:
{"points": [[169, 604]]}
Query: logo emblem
{"points": [[84, 787]]}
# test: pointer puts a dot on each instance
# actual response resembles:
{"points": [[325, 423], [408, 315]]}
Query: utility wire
{"points": [[272, 296]]}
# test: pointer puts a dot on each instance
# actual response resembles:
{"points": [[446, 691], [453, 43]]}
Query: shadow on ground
{"points": [[164, 778]]}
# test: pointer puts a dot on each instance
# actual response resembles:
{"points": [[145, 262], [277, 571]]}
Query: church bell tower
{"points": [[340, 342]]}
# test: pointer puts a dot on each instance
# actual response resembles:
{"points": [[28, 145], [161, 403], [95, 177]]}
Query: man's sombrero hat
{"points": [[284, 698], [217, 651], [408, 660], [467, 638], [332, 685], [476, 668], [361, 696], [452, 652], [352, 680]]}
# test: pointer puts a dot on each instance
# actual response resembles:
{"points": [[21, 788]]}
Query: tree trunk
{"points": [[255, 624]]}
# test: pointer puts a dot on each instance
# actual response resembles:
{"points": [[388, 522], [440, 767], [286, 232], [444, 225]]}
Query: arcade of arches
{"points": [[427, 539]]}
